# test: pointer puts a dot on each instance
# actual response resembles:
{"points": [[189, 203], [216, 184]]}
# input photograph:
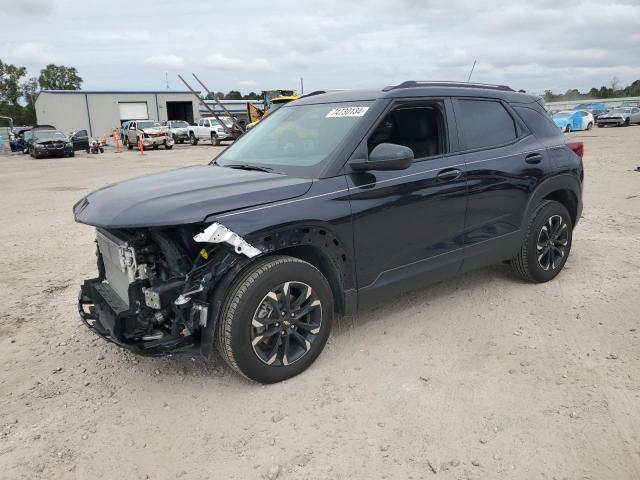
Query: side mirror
{"points": [[385, 156]]}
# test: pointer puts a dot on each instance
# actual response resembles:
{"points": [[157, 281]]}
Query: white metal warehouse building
{"points": [[100, 112]]}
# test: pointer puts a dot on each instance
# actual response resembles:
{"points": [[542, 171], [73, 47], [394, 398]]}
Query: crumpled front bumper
{"points": [[106, 315]]}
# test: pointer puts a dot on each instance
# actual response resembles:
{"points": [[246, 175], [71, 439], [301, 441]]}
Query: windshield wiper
{"points": [[246, 166]]}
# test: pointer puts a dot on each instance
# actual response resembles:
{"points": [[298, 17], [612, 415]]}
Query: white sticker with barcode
{"points": [[347, 112]]}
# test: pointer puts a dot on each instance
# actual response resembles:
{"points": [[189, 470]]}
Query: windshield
{"points": [[296, 139], [563, 114], [142, 125], [50, 135], [227, 121], [179, 124]]}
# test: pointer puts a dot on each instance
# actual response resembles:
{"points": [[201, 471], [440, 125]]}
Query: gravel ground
{"points": [[477, 377]]}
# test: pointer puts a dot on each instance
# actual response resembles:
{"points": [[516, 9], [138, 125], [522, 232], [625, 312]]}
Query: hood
{"points": [[183, 196], [612, 115], [155, 130], [561, 121], [48, 141]]}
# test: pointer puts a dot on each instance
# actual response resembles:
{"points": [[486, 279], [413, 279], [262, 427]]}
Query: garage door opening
{"points": [[180, 111], [133, 111]]}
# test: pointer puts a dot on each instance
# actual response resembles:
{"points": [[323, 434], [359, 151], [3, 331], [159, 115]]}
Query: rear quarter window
{"points": [[540, 124], [486, 123]]}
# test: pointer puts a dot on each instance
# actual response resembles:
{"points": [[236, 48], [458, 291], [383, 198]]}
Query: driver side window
{"points": [[421, 127]]}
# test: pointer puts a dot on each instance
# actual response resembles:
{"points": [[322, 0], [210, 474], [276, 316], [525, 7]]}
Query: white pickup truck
{"points": [[210, 129]]}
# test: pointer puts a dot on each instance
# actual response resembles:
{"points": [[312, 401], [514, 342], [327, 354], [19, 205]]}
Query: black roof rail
{"points": [[414, 84], [317, 92]]}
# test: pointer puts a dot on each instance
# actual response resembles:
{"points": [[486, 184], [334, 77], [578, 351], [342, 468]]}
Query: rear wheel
{"points": [[546, 245], [276, 319], [155, 146]]}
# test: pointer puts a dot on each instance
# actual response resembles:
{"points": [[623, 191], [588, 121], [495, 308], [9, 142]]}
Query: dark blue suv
{"points": [[332, 203]]}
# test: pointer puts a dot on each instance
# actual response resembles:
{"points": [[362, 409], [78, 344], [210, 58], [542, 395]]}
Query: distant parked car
{"points": [[595, 108], [28, 136], [211, 129], [571, 120], [179, 130], [50, 143], [621, 116], [152, 134]]}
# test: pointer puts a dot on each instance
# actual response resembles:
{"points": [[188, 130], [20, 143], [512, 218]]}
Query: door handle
{"points": [[448, 174], [533, 158]]}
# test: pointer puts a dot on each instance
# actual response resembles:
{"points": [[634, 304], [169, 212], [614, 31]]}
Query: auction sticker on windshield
{"points": [[347, 112]]}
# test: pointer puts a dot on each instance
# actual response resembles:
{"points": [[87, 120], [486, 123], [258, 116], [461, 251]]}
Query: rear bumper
{"points": [[102, 311]]}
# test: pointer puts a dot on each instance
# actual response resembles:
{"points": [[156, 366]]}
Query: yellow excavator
{"points": [[272, 99]]}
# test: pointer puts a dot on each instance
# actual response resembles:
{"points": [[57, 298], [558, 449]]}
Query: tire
{"points": [[600, 125], [627, 122], [567, 129], [192, 139], [589, 126], [71, 155], [530, 264], [215, 141], [253, 296], [155, 146], [168, 147]]}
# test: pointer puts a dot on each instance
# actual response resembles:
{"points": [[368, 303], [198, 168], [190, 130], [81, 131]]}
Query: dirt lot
{"points": [[478, 377]]}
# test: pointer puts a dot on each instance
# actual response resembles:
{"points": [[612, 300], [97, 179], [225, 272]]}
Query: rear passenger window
{"points": [[486, 123], [540, 124]]}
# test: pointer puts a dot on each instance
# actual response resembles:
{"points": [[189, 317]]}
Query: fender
{"points": [[563, 181], [313, 243]]}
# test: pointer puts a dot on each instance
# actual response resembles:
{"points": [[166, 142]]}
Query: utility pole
{"points": [[166, 79], [471, 72], [301, 86]]}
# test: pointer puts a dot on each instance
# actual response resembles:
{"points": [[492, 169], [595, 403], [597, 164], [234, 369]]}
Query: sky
{"points": [[333, 44]]}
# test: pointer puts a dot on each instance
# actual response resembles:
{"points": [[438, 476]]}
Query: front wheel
{"points": [[567, 129], [627, 122], [546, 245], [215, 140], [276, 319], [589, 126], [192, 139]]}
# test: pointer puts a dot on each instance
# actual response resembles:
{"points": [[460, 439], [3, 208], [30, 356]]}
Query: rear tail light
{"points": [[577, 147]]}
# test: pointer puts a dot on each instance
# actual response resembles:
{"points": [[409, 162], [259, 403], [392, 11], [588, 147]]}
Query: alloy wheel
{"points": [[286, 323], [552, 243]]}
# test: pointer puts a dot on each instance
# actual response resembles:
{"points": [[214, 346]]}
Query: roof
{"points": [[116, 91], [422, 89]]}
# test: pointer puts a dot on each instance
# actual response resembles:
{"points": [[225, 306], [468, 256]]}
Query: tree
{"points": [[30, 92], [251, 96], [59, 77], [233, 95], [10, 76]]}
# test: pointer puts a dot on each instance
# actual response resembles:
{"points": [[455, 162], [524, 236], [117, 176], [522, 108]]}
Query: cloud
{"points": [[168, 62], [530, 44], [31, 8], [224, 62], [34, 52]]}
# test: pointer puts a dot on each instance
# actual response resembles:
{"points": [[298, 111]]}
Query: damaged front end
{"points": [[152, 293]]}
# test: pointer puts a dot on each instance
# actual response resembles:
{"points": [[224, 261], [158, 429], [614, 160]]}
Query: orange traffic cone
{"points": [[116, 140], [141, 146]]}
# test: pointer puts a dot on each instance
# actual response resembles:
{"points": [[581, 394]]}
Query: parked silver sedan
{"points": [[621, 116]]}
